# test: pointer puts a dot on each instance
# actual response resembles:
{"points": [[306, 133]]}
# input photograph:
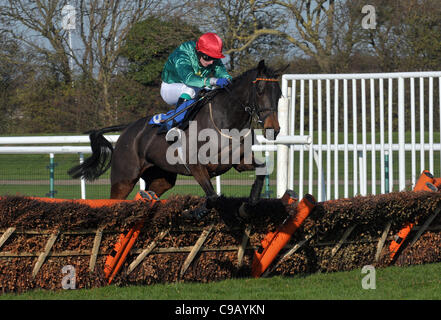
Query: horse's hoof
{"points": [[199, 213]]}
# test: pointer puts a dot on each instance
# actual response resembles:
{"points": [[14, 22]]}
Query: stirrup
{"points": [[180, 101]]}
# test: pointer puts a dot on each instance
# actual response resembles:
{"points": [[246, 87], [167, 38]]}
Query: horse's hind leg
{"points": [[121, 189], [124, 174], [158, 180]]}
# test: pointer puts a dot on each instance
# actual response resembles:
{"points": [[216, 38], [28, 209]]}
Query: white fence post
{"points": [[83, 181], [282, 150], [401, 135]]}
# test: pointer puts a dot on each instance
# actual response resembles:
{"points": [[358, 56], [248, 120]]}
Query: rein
{"points": [[219, 130]]}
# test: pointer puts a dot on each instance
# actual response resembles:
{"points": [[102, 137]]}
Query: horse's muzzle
{"points": [[271, 126]]}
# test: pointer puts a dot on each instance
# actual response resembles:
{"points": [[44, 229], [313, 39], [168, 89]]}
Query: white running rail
{"points": [[379, 115]]}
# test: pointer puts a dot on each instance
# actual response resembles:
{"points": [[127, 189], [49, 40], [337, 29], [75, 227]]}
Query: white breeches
{"points": [[171, 92]]}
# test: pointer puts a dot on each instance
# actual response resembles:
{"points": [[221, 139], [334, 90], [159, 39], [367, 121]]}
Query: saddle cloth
{"points": [[180, 120]]}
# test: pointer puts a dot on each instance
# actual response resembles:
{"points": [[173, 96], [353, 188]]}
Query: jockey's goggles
{"points": [[206, 58]]}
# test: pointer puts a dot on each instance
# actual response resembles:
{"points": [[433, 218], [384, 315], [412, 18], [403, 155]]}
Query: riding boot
{"points": [[164, 128]]}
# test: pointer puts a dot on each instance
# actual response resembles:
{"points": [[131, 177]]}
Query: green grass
{"points": [[103, 191], [420, 282]]}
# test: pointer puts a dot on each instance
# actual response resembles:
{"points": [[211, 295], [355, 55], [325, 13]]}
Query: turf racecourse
{"points": [[421, 282]]}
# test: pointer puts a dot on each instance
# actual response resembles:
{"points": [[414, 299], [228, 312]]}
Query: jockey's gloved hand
{"points": [[220, 82]]}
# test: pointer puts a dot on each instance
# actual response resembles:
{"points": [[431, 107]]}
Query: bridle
{"points": [[252, 107]]}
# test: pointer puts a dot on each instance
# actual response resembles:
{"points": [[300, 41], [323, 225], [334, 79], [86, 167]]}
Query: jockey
{"points": [[192, 66]]}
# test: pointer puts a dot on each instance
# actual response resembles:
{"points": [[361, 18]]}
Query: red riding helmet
{"points": [[210, 44]]}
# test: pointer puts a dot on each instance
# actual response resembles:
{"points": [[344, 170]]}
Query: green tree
{"points": [[17, 62], [422, 36], [148, 45]]}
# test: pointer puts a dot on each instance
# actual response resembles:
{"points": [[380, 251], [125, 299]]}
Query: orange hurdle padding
{"points": [[399, 239], [275, 241], [437, 182], [425, 183], [115, 260], [430, 187], [425, 177], [93, 203], [289, 197], [97, 203], [117, 257]]}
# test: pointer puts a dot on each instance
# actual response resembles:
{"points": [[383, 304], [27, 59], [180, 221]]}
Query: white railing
{"points": [[21, 145], [335, 109], [8, 145]]}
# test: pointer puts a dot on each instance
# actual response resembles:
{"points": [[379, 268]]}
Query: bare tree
{"points": [[314, 28], [234, 20], [407, 36], [100, 30], [310, 28], [103, 27], [385, 42], [35, 24]]}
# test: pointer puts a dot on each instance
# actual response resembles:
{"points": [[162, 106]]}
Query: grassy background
{"points": [[29, 175], [421, 282]]}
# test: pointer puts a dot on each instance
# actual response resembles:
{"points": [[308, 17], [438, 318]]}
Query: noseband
{"points": [[252, 108], [265, 79]]}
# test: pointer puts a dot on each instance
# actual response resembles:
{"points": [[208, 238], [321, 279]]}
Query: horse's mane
{"points": [[244, 75], [251, 73]]}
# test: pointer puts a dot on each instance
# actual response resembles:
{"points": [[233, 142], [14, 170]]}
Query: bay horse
{"points": [[141, 153]]}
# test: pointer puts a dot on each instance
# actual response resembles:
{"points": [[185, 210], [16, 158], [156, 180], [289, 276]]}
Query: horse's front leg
{"points": [[256, 189], [200, 173]]}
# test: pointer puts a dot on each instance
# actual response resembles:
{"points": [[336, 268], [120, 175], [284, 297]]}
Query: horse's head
{"points": [[265, 97]]}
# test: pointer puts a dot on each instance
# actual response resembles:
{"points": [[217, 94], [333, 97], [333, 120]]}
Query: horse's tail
{"points": [[99, 162]]}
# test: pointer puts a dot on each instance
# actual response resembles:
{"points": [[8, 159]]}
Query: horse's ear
{"points": [[279, 71], [261, 66]]}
